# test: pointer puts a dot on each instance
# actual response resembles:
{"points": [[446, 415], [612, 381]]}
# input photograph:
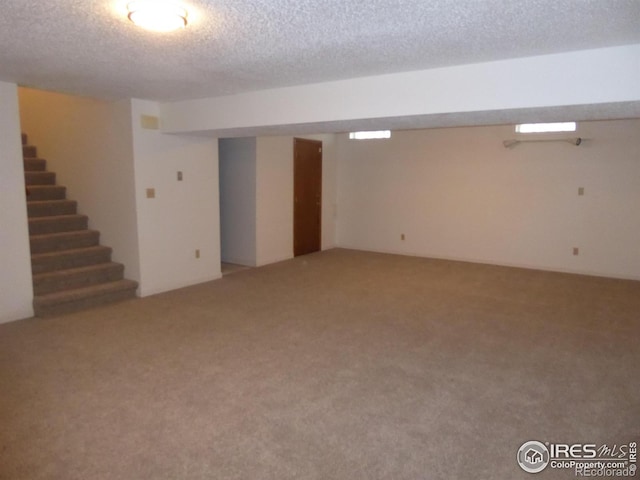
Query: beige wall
{"points": [[457, 193], [274, 199], [489, 89], [184, 215], [261, 170], [88, 143], [275, 196], [16, 292], [106, 161]]}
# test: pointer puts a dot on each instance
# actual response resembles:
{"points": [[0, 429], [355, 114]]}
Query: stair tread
{"points": [[53, 200], [57, 223], [76, 270], [50, 208], [62, 241], [34, 165], [42, 236], [71, 251], [66, 279], [45, 202], [76, 294], [58, 218], [26, 154]]}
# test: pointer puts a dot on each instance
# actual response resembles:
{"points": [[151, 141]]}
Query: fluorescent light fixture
{"points": [[157, 15], [370, 135], [546, 127]]}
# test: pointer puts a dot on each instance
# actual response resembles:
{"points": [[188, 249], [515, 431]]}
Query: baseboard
{"points": [[17, 314], [167, 288], [240, 261], [274, 260], [544, 268]]}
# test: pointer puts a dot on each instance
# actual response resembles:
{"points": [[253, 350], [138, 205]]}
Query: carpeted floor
{"points": [[229, 268], [337, 365]]}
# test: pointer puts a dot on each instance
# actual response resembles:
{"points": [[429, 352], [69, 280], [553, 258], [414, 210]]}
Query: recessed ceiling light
{"points": [[157, 15]]}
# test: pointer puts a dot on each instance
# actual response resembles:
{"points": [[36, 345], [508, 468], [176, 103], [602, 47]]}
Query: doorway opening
{"points": [[307, 196]]}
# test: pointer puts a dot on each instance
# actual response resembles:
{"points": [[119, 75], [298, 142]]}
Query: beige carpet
{"points": [[229, 268], [337, 365]]}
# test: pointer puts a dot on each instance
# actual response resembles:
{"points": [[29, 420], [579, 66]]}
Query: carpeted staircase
{"points": [[71, 270]]}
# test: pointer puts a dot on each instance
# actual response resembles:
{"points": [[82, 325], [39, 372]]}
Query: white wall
{"points": [[88, 143], [16, 291], [274, 215], [260, 170], [588, 77], [238, 200], [183, 216], [457, 193], [275, 196]]}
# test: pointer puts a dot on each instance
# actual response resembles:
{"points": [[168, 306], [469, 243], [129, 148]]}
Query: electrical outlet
{"points": [[402, 236], [576, 251], [581, 191], [151, 193], [198, 253], [179, 176]]}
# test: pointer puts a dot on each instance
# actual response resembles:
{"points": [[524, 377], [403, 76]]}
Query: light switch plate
{"points": [[149, 122]]}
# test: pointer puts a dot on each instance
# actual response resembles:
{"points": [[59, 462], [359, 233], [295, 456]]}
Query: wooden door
{"points": [[307, 196]]}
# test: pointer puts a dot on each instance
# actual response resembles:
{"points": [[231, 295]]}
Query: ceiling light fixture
{"points": [[157, 15], [546, 127], [370, 135]]}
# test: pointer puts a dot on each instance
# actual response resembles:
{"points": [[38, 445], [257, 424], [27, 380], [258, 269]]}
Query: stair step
{"points": [[40, 178], [57, 223], [24, 138], [46, 192], [56, 242], [29, 151], [48, 208], [44, 283], [82, 298], [65, 259], [35, 164]]}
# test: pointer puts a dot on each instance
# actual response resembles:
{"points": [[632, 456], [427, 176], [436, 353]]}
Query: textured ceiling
{"points": [[232, 46]]}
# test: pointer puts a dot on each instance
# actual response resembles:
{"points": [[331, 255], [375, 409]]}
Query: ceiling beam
{"points": [[603, 78]]}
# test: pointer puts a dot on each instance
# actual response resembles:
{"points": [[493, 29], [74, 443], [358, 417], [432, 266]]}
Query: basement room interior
{"points": [[332, 240]]}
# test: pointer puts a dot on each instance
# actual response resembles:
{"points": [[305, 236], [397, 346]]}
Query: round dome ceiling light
{"points": [[157, 15]]}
